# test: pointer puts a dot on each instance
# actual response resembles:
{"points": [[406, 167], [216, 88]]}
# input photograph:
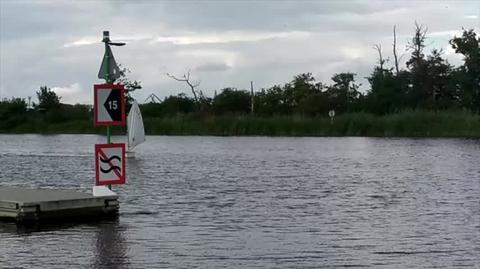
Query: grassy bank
{"points": [[409, 123]]}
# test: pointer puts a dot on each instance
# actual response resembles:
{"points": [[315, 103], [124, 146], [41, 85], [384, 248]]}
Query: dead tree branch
{"points": [[381, 61], [395, 49], [192, 84]]}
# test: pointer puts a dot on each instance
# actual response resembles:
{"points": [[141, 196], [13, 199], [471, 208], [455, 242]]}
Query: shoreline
{"points": [[415, 124], [260, 136]]}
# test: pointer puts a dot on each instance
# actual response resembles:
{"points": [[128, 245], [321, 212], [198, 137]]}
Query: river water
{"points": [[244, 202]]}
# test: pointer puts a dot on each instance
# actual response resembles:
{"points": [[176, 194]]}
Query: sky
{"points": [[222, 43]]}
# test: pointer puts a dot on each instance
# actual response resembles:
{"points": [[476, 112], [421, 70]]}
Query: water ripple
{"points": [[243, 202]]}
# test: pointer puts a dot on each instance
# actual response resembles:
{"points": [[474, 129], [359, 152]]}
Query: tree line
{"points": [[427, 82]]}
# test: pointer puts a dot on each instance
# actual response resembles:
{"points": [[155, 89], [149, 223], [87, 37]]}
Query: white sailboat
{"points": [[135, 129]]}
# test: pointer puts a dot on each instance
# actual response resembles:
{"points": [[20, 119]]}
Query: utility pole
{"points": [[252, 104]]}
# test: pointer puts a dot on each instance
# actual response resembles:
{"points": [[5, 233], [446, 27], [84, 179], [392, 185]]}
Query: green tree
{"points": [[468, 75], [385, 94], [76, 112], [430, 84], [417, 92], [12, 107], [47, 99], [271, 101], [179, 104], [232, 101], [343, 95], [301, 87], [130, 85], [12, 113], [315, 104], [441, 93]]}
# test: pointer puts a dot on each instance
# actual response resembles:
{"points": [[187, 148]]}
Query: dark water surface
{"points": [[214, 202]]}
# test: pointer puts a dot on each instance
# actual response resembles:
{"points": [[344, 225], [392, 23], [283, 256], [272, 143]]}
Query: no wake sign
{"points": [[110, 164], [109, 105]]}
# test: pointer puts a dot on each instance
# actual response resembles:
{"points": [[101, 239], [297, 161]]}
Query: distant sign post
{"points": [[109, 105], [331, 114], [110, 164]]}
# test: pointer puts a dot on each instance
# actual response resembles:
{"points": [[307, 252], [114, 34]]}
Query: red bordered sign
{"points": [[109, 105], [110, 164]]}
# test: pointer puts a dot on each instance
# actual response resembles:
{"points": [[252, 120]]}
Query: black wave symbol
{"points": [[114, 157], [110, 169]]}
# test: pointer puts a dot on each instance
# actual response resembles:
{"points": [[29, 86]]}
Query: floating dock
{"points": [[32, 205]]}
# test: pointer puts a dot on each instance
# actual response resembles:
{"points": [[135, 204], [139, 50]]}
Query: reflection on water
{"points": [[111, 249], [242, 202], [110, 246]]}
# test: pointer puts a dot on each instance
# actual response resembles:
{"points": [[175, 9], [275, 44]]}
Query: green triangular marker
{"points": [[110, 63]]}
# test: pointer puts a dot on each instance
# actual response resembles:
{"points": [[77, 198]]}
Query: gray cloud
{"points": [[212, 67]]}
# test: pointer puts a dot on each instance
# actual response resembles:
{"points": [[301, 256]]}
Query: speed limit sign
{"points": [[109, 105]]}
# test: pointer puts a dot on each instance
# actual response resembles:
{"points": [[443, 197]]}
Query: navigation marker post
{"points": [[109, 105], [109, 69], [331, 114]]}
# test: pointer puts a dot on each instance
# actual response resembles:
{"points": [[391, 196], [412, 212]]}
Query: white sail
{"points": [[136, 132]]}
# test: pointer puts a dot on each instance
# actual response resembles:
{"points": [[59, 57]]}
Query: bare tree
{"points": [[395, 49], [417, 44], [192, 84], [381, 61]]}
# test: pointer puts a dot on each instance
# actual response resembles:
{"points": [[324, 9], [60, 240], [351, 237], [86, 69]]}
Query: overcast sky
{"points": [[223, 43]]}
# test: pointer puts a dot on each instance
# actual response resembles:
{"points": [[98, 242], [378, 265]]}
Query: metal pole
{"points": [[108, 135], [109, 78], [107, 81]]}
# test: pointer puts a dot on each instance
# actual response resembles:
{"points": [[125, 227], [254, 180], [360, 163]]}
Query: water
{"points": [[215, 202]]}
